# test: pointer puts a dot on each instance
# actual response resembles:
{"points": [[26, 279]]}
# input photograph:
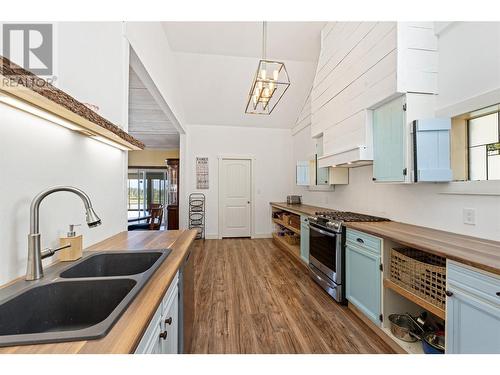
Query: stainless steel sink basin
{"points": [[77, 302], [112, 264]]}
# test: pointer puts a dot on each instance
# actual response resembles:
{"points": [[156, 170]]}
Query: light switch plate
{"points": [[469, 216]]}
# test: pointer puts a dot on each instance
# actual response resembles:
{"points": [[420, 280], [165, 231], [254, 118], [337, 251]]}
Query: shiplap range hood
{"points": [[361, 66]]}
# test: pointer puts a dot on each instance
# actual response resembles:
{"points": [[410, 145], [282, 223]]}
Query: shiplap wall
{"points": [[361, 65], [304, 118]]}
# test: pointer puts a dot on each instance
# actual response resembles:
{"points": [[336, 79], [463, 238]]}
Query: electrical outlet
{"points": [[469, 216]]}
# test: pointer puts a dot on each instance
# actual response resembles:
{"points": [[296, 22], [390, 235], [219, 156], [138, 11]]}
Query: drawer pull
{"points": [[164, 335], [449, 293], [168, 321], [360, 240], [498, 294]]}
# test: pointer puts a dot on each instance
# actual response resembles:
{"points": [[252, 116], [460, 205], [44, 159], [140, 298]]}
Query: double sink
{"points": [[77, 302]]}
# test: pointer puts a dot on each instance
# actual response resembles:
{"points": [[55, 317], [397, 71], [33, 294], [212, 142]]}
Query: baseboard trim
{"points": [[262, 235]]}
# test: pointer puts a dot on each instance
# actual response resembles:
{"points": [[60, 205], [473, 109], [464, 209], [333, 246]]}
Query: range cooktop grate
{"points": [[347, 216]]}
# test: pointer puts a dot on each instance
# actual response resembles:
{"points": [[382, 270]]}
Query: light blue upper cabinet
{"points": [[304, 238], [389, 144], [431, 140], [322, 174], [302, 173]]}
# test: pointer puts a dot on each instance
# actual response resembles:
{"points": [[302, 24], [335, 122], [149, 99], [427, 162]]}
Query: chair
{"points": [[154, 222]]}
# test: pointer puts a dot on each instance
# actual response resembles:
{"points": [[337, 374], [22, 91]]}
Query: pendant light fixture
{"points": [[269, 84]]}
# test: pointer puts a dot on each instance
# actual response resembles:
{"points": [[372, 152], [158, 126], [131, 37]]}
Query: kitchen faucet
{"points": [[35, 254]]}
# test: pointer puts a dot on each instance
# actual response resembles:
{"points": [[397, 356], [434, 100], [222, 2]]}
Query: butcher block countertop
{"points": [[128, 330], [476, 252], [299, 209]]}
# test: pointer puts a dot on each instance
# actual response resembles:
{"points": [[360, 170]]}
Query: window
{"points": [[136, 190], [151, 186], [484, 147]]}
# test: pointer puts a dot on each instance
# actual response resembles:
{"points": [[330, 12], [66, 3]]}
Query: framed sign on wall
{"points": [[201, 172]]}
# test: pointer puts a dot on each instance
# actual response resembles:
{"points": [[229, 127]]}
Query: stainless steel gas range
{"points": [[327, 249]]}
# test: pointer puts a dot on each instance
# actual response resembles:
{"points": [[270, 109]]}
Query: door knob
{"points": [[248, 202], [168, 321], [164, 335]]}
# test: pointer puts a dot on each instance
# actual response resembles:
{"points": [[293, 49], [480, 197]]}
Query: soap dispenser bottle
{"points": [[73, 252]]}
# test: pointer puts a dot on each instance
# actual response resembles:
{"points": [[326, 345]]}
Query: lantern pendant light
{"points": [[269, 84]]}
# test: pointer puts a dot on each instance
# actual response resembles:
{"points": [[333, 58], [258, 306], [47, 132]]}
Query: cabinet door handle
{"points": [[498, 294], [168, 321], [360, 240], [449, 293], [164, 335]]}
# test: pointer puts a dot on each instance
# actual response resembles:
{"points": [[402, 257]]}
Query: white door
{"points": [[235, 195]]}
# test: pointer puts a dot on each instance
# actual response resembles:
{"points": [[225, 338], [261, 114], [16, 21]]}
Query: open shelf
{"points": [[287, 226], [415, 299], [292, 249], [409, 347]]}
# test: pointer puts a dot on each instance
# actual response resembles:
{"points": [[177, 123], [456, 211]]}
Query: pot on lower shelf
{"points": [[433, 342], [404, 327]]}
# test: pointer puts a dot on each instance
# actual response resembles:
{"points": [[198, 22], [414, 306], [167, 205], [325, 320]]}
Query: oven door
{"points": [[325, 252]]}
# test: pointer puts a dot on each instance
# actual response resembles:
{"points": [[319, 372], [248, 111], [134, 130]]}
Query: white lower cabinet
{"points": [[472, 311], [162, 334]]}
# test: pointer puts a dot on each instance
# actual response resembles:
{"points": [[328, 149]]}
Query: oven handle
{"points": [[324, 232], [318, 277]]}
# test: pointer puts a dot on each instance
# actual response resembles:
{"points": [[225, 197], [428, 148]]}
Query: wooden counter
{"points": [[476, 252], [299, 209], [128, 330]]}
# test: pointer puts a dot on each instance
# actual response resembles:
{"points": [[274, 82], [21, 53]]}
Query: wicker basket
{"points": [[294, 221], [420, 273], [285, 218], [292, 239]]}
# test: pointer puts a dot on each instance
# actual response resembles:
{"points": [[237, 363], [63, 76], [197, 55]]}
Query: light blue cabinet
{"points": [[302, 173], [431, 140], [472, 311], [363, 274], [304, 238], [409, 145], [389, 146], [322, 174]]}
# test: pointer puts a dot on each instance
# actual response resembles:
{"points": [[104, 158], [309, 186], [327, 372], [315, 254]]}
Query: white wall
{"points": [[36, 154], [92, 66], [469, 66], [272, 151], [150, 43]]}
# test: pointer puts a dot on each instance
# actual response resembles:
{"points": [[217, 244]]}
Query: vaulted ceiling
{"points": [[147, 121], [217, 63]]}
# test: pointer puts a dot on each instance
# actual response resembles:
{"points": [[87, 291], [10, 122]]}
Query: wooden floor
{"points": [[253, 298]]}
